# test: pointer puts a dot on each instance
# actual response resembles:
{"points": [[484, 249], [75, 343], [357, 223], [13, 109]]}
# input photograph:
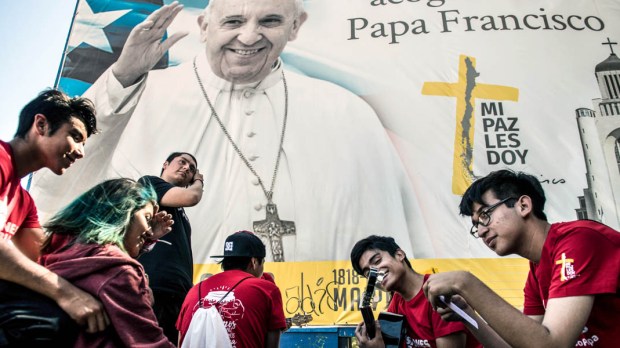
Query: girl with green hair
{"points": [[94, 243]]}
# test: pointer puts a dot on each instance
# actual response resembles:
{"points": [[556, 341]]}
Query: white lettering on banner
{"points": [[501, 136]]}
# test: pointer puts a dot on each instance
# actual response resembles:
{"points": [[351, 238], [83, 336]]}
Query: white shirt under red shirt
{"points": [[17, 209], [580, 258]]}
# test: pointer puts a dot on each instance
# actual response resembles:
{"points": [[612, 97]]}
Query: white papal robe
{"points": [[339, 179]]}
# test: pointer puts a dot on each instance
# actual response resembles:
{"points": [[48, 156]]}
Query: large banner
{"points": [[447, 91]]}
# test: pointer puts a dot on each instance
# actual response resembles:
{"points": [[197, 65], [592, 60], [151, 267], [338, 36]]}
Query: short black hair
{"points": [[177, 154], [505, 183], [58, 109], [236, 262], [373, 242]]}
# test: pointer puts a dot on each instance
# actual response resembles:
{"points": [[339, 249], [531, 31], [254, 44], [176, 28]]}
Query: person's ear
{"points": [[165, 165], [202, 24], [524, 205], [296, 25], [253, 266], [257, 262], [400, 255], [40, 124]]}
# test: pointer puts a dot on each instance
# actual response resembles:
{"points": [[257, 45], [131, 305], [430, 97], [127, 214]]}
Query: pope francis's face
{"points": [[244, 38]]}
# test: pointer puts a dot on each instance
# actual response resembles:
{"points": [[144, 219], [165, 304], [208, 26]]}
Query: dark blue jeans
{"points": [[29, 319]]}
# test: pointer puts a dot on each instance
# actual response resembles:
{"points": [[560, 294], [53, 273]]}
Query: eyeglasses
{"points": [[484, 218]]}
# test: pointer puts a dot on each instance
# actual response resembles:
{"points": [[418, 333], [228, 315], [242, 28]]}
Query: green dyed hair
{"points": [[102, 214]]}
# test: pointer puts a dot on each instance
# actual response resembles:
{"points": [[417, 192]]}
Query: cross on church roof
{"points": [[610, 45]]}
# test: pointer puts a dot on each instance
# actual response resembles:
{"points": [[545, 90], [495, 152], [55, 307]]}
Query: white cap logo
{"points": [[228, 246]]}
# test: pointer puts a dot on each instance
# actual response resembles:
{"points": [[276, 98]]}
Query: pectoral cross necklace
{"points": [[272, 227]]}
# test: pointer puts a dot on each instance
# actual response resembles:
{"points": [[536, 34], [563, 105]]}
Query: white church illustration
{"points": [[599, 130]]}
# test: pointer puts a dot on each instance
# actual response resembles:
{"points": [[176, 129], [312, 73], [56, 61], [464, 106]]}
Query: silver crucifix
{"points": [[274, 228]]}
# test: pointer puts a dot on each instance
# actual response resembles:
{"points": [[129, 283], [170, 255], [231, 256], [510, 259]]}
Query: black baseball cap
{"points": [[243, 244]]}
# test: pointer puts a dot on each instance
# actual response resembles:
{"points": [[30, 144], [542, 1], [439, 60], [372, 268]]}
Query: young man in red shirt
{"points": [[250, 307], [425, 328], [51, 134], [571, 293]]}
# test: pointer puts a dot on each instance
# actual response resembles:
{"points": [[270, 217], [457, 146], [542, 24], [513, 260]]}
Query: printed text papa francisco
{"points": [[457, 20]]}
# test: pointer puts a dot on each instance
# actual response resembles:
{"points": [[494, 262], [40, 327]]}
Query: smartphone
{"points": [[393, 328]]}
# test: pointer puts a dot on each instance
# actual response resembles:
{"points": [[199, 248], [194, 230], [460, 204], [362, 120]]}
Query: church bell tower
{"points": [[599, 130]]}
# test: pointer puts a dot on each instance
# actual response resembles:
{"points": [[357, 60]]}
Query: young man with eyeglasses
{"points": [[571, 293]]}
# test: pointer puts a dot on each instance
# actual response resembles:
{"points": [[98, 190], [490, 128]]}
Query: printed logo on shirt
{"points": [[567, 270], [584, 340], [230, 308], [4, 213], [228, 246], [182, 212], [587, 342], [9, 230], [416, 342]]}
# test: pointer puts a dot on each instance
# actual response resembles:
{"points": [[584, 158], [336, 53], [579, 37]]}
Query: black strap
{"points": [[201, 302]]}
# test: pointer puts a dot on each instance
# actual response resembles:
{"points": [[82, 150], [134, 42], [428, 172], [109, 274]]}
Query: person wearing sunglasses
{"points": [[571, 293]]}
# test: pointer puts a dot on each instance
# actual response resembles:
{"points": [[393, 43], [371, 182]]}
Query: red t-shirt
{"points": [[255, 308], [424, 325], [580, 258], [17, 208]]}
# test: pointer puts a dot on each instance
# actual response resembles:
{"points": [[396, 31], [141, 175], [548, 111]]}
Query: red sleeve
{"points": [[532, 303], [585, 262], [267, 276], [32, 218], [277, 321], [127, 304]]}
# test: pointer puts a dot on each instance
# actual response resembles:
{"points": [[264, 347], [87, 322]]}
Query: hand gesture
{"points": [[83, 308], [198, 176], [364, 341], [161, 224], [446, 284], [448, 314], [144, 46]]}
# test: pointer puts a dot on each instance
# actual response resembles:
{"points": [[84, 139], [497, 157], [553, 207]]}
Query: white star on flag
{"points": [[88, 27]]}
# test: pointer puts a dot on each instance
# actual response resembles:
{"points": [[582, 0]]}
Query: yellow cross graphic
{"points": [[466, 90], [563, 261]]}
